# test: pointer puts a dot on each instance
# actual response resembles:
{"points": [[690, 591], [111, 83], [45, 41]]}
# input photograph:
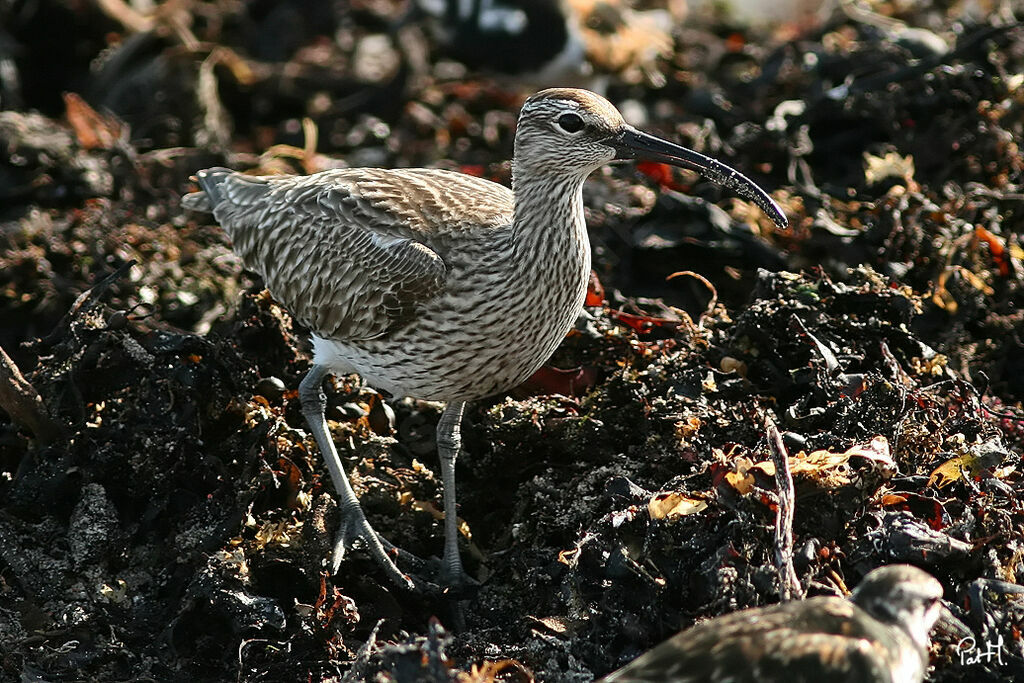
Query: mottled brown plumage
{"points": [[880, 635], [434, 284], [352, 253]]}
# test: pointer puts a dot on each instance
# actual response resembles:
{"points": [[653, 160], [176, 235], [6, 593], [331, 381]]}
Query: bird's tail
{"points": [[210, 180]]}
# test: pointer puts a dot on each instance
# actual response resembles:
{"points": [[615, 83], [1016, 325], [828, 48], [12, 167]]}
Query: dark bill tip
{"points": [[634, 144]]}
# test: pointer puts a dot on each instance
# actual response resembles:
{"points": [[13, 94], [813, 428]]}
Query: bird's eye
{"points": [[570, 123]]}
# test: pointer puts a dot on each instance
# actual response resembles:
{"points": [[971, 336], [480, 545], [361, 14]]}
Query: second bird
{"points": [[396, 272]]}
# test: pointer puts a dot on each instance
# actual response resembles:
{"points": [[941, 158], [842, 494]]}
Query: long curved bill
{"points": [[634, 144]]}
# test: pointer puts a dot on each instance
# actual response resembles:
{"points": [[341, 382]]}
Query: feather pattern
{"points": [[879, 635], [426, 282], [356, 251], [819, 639]]}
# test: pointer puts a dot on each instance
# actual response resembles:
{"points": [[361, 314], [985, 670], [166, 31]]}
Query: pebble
{"points": [[270, 388], [349, 411]]}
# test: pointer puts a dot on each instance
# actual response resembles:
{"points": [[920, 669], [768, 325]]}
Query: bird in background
{"points": [[397, 274], [879, 635], [549, 41]]}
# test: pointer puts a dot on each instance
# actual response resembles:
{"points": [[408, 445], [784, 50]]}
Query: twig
{"points": [[85, 301], [789, 584], [174, 14], [22, 402], [710, 308], [286, 648], [357, 672], [215, 128]]}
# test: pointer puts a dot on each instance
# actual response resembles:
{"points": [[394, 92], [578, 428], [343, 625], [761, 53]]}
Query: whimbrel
{"points": [[880, 635], [434, 284]]}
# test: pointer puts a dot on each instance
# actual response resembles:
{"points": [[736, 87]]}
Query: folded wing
{"points": [[351, 253]]}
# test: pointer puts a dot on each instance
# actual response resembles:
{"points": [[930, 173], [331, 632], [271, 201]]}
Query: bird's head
{"points": [[566, 132], [908, 598]]}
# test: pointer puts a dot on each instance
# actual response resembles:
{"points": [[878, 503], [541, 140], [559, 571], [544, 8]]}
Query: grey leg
{"points": [[449, 439], [353, 521]]}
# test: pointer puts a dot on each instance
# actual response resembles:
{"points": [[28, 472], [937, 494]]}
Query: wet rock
{"points": [[93, 526], [270, 388]]}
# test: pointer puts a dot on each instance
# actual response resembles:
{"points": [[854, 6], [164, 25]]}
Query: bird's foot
{"points": [[457, 583], [451, 581], [355, 527]]}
